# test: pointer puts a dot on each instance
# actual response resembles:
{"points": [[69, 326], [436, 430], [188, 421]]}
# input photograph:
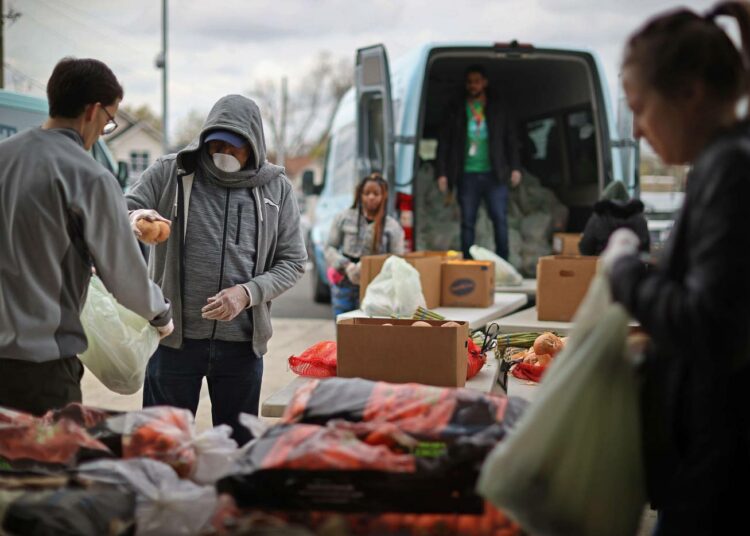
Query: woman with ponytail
{"points": [[684, 79], [364, 229]]}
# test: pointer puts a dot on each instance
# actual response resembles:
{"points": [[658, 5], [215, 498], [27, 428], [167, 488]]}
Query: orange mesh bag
{"points": [[318, 361]]}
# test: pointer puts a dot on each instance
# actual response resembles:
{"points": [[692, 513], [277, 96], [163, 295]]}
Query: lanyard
{"points": [[477, 113]]}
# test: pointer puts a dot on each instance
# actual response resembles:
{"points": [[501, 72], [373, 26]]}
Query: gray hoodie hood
{"points": [[240, 115]]}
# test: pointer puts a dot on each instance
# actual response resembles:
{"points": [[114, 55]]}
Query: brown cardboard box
{"points": [[467, 284], [401, 352], [428, 267], [446, 255], [566, 243], [561, 284]]}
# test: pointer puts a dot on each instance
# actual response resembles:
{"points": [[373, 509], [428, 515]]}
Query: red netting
{"points": [[318, 361], [476, 360]]}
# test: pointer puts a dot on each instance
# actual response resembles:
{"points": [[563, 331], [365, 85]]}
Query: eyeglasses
{"points": [[111, 125]]}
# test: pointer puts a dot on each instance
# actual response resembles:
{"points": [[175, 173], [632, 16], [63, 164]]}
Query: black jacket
{"points": [[694, 305], [609, 216], [503, 141]]}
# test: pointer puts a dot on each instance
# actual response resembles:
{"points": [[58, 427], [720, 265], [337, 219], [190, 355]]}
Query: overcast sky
{"points": [[223, 46]]}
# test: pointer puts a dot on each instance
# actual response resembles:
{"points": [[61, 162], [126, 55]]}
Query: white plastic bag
{"points": [[573, 463], [215, 453], [120, 342], [165, 505], [505, 274], [395, 290]]}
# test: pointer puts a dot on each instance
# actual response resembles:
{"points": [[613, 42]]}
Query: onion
{"points": [[547, 343]]}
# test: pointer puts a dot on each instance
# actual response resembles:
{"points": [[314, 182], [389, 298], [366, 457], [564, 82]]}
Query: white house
{"points": [[135, 142]]}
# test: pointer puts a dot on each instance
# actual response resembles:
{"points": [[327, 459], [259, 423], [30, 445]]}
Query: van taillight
{"points": [[405, 207]]}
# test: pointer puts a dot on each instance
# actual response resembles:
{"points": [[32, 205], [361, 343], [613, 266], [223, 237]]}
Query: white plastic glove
{"points": [[166, 330], [622, 242], [144, 213], [227, 304], [353, 272]]}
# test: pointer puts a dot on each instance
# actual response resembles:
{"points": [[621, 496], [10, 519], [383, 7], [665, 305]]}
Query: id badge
{"points": [[473, 149]]}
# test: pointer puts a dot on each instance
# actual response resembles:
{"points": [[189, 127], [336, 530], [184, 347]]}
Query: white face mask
{"points": [[226, 162]]}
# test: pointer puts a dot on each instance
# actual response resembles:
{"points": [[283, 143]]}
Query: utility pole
{"points": [[10, 17], [2, 50], [281, 149], [161, 63]]}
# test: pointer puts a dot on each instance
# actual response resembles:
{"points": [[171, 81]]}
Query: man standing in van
{"points": [[61, 213], [478, 154], [235, 246]]}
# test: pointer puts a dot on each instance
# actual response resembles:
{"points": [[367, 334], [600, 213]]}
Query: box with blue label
{"points": [[467, 284]]}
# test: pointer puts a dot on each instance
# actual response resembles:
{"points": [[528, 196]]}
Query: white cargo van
{"points": [[19, 112], [389, 122]]}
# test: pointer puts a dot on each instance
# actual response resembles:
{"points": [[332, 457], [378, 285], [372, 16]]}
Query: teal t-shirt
{"points": [[477, 147]]}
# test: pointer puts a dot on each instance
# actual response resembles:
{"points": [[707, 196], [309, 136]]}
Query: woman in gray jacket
{"points": [[363, 229]]}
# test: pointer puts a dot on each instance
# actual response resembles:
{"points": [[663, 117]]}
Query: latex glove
{"points": [[622, 242], [166, 330], [353, 272], [147, 214], [227, 304], [442, 184], [515, 178]]}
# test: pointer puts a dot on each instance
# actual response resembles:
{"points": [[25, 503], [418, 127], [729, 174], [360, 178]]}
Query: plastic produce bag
{"points": [[215, 453], [395, 290], [120, 342], [505, 273], [68, 511], [165, 505], [162, 433], [29, 442], [573, 463]]}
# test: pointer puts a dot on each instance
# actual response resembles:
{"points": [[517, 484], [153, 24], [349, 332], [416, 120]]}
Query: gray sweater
{"points": [[272, 248], [61, 212]]}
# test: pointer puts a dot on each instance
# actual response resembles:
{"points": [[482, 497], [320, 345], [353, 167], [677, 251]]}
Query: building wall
{"points": [[136, 141]]}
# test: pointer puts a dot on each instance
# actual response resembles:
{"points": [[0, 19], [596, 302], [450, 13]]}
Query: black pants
{"points": [[475, 188], [38, 387], [232, 370]]}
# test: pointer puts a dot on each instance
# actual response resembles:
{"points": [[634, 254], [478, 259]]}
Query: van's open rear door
{"points": [[626, 149], [374, 113]]}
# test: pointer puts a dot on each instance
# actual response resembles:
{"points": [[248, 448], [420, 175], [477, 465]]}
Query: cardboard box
{"points": [[428, 267], [561, 283], [446, 255], [467, 284], [566, 243], [402, 353]]}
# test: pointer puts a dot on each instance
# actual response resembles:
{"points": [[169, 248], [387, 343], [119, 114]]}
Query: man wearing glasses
{"points": [[61, 213]]}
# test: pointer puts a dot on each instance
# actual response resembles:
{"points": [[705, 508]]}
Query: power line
{"points": [[18, 72], [108, 37]]}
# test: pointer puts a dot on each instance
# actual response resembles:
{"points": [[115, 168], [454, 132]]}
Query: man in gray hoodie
{"points": [[61, 213], [235, 246]]}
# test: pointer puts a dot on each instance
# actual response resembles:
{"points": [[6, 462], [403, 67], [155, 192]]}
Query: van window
{"points": [[374, 127], [98, 153], [561, 145], [581, 137], [541, 150], [341, 169]]}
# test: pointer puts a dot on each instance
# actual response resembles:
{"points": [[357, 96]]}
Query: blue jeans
{"points": [[476, 187], [234, 374], [344, 297]]}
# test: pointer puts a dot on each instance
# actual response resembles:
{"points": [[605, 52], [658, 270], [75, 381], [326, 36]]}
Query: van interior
{"points": [[555, 100]]}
